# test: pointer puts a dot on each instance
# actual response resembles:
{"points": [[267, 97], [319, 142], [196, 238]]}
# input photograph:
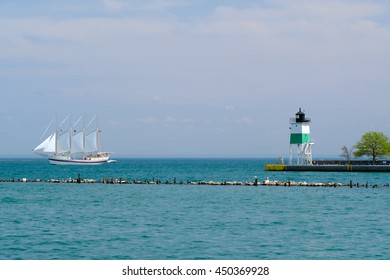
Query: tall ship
{"points": [[73, 144]]}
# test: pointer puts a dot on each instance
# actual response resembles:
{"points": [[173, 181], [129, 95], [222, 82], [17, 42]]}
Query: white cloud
{"points": [[170, 120], [331, 10], [143, 5], [229, 108], [187, 121], [113, 5], [148, 120], [157, 98], [244, 120], [9, 118], [162, 4], [61, 40], [114, 123], [290, 17]]}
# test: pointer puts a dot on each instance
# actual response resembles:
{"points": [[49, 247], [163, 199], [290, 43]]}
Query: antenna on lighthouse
{"points": [[300, 141]]}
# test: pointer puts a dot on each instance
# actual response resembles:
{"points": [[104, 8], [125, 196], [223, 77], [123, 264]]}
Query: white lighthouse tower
{"points": [[300, 142]]}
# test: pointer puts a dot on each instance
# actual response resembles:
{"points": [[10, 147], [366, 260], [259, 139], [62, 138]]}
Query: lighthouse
{"points": [[300, 142]]}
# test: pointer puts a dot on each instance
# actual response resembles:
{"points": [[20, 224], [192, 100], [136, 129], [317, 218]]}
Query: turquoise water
{"points": [[99, 221]]}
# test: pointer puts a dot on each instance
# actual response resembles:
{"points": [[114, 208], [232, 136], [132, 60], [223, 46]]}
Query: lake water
{"points": [[106, 221]]}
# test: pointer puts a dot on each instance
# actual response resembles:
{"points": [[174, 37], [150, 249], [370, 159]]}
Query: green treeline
{"points": [[372, 144]]}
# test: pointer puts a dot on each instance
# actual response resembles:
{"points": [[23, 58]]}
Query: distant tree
{"points": [[372, 144], [347, 153]]}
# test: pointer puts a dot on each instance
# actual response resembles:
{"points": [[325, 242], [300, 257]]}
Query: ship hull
{"points": [[56, 161]]}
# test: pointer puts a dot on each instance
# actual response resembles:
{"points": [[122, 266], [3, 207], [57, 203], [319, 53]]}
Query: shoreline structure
{"points": [[328, 166], [301, 156]]}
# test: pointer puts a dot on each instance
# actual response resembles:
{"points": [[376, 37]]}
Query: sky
{"points": [[181, 78]]}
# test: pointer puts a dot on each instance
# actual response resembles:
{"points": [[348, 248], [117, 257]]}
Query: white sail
{"points": [[64, 142], [78, 142], [47, 147], [51, 147], [91, 142]]}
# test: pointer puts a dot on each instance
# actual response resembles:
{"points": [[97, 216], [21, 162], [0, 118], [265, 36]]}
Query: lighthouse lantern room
{"points": [[300, 141]]}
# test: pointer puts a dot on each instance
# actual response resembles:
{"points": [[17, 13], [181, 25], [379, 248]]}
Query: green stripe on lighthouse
{"points": [[299, 138]]}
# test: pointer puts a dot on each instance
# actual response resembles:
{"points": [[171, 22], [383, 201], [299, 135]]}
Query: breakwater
{"points": [[328, 168], [256, 182]]}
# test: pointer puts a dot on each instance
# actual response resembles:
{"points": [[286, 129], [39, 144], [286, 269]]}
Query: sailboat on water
{"points": [[67, 146]]}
